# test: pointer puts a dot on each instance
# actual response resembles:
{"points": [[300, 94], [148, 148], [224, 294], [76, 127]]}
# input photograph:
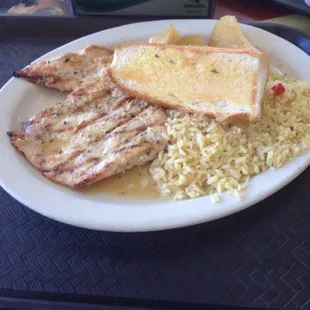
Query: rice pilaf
{"points": [[209, 157]]}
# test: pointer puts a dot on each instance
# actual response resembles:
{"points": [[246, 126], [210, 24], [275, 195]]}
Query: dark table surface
{"points": [[259, 257], [297, 5]]}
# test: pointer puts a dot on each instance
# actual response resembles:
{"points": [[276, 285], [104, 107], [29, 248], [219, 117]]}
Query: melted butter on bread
{"points": [[220, 82]]}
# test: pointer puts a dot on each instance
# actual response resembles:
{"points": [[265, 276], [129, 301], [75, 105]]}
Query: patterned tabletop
{"points": [[259, 257]]}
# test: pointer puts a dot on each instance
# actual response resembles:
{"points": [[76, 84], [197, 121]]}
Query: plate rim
{"points": [[122, 227]]}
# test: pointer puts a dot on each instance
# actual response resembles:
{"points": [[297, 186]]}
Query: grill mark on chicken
{"points": [[137, 130], [97, 131], [112, 166], [94, 90], [69, 71], [80, 151], [57, 174], [94, 105], [124, 148], [86, 123], [128, 135]]}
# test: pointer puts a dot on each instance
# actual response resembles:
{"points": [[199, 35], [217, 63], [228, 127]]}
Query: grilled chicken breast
{"points": [[69, 71], [96, 132]]}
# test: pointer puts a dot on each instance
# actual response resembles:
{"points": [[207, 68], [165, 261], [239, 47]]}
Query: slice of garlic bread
{"points": [[228, 33], [224, 83]]}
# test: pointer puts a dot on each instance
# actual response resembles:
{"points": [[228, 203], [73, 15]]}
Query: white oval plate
{"points": [[19, 100]]}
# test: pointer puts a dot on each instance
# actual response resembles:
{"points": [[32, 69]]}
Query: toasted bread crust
{"points": [[252, 116], [201, 49]]}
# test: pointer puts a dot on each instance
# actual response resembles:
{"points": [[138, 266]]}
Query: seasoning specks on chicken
{"points": [[70, 70], [96, 132]]}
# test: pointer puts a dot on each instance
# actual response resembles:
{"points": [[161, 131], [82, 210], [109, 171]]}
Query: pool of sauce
{"points": [[135, 183]]}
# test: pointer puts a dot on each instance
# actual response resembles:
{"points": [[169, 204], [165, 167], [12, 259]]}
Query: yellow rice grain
{"points": [[209, 157]]}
